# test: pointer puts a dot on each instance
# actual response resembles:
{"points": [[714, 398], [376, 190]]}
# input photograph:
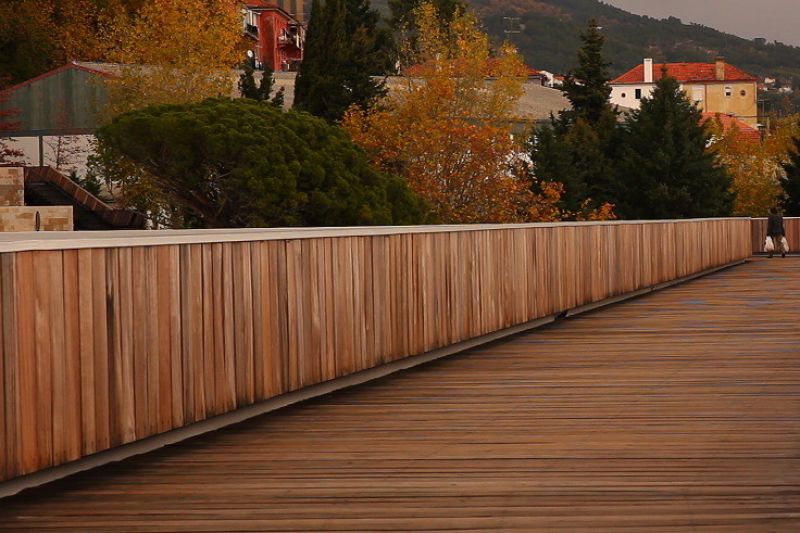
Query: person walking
{"points": [[776, 231]]}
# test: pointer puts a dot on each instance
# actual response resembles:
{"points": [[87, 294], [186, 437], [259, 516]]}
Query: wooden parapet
{"points": [[109, 339]]}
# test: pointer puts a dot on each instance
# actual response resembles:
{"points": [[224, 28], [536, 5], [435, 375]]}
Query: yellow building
{"points": [[715, 87]]}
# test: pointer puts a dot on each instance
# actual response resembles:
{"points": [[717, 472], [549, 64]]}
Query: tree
{"points": [[402, 11], [344, 50], [262, 91], [444, 128], [791, 183], [754, 164], [665, 169], [247, 83], [578, 148], [239, 163], [173, 51], [39, 35], [66, 150], [587, 87]]}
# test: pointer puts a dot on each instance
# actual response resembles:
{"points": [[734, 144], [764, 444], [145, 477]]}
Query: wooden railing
{"points": [[759, 232], [108, 340]]}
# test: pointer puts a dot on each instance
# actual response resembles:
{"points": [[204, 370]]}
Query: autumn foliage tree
{"points": [[756, 166], [39, 35], [445, 128], [173, 51]]}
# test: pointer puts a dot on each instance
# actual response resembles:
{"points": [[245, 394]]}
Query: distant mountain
{"points": [[549, 30]]}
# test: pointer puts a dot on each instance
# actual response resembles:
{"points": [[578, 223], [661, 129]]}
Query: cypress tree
{"points": [[344, 50], [665, 169], [247, 83], [791, 183], [265, 87]]}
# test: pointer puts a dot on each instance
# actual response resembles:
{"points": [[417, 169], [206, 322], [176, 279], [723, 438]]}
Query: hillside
{"points": [[550, 28]]}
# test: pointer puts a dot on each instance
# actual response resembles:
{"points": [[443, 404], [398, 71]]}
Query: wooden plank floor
{"points": [[675, 411]]}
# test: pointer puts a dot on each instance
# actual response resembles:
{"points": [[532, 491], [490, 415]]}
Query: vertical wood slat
{"points": [[109, 345]]}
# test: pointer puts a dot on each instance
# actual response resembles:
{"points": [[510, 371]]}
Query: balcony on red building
{"points": [[277, 36]]}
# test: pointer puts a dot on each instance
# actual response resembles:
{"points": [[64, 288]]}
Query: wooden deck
{"points": [[676, 411]]}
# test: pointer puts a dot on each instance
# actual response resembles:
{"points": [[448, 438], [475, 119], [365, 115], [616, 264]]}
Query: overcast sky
{"points": [[773, 19]]}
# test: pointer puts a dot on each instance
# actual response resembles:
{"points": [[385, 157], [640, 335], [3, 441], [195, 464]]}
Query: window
{"points": [[728, 91], [638, 94], [743, 92], [624, 95]]}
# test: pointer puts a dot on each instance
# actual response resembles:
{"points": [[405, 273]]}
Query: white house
{"points": [[715, 87]]}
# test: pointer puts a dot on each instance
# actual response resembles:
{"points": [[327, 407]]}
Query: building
{"points": [[744, 132], [276, 37], [715, 87], [57, 107], [17, 215]]}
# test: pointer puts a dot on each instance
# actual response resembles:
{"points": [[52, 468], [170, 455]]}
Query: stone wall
{"points": [[16, 216], [12, 186], [23, 218]]}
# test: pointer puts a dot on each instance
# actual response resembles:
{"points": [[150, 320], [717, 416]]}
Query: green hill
{"points": [[549, 37], [549, 30]]}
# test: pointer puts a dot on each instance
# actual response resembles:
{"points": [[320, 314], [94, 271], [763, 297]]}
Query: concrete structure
{"points": [[715, 87], [16, 216], [276, 37], [744, 132], [62, 103]]}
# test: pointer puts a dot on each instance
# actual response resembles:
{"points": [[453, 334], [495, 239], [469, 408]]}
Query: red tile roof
{"points": [[259, 3], [746, 133], [686, 72]]}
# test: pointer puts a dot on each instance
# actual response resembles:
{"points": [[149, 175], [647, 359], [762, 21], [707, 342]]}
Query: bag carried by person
{"points": [[769, 245], [785, 245]]}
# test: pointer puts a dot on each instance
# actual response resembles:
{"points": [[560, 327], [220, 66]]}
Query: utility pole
{"points": [[512, 27]]}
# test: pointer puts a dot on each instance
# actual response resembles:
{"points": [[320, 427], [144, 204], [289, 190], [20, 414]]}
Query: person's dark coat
{"points": [[775, 226]]}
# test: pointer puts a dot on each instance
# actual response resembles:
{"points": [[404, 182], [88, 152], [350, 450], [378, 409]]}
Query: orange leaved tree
{"points": [[173, 51], [445, 126], [754, 164]]}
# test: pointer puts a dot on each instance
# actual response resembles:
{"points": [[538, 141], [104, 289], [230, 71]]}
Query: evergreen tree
{"points": [[665, 169], [247, 83], [279, 98], [267, 81], [242, 163], [578, 147], [791, 183], [587, 87], [345, 49]]}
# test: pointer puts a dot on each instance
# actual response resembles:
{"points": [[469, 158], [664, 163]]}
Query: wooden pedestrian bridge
{"points": [[578, 376]]}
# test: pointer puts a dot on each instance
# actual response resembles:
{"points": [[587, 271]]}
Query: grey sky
{"points": [[773, 19]]}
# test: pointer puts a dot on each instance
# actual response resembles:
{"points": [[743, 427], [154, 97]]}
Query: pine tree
{"points": [[587, 87], [344, 50], [791, 183], [578, 147], [665, 169]]}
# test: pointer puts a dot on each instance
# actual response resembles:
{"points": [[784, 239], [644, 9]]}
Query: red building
{"points": [[277, 36]]}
